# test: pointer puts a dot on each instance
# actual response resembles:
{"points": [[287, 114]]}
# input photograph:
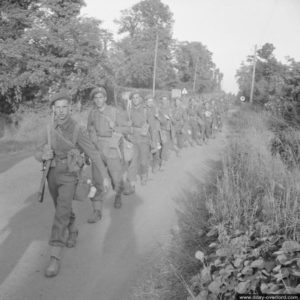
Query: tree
{"points": [[268, 76], [141, 24], [273, 79], [59, 50], [194, 65]]}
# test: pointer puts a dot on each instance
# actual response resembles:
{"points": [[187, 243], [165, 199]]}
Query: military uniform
{"points": [[62, 180], [166, 133], [193, 122], [208, 119], [141, 141], [155, 143], [201, 122], [101, 127], [178, 119]]}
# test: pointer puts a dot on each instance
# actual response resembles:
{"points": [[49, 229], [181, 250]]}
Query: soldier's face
{"points": [[150, 102], [100, 100], [62, 109], [136, 99]]}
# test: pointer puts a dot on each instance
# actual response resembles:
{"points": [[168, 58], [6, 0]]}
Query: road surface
{"points": [[110, 255]]}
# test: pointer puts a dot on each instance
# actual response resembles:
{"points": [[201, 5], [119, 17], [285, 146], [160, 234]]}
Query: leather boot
{"points": [[129, 188], [54, 265], [96, 214], [118, 200]]}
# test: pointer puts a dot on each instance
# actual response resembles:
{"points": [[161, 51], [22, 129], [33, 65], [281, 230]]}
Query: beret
{"points": [[98, 90], [60, 96]]}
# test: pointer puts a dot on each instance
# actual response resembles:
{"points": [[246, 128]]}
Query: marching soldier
{"points": [[67, 141], [140, 139], [154, 129], [167, 135], [193, 121], [178, 119], [201, 122], [208, 120], [101, 126]]}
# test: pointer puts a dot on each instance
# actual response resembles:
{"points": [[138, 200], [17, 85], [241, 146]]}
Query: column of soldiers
{"points": [[123, 143]]}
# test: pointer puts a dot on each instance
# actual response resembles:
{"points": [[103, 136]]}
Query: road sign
{"points": [[242, 98], [184, 91]]}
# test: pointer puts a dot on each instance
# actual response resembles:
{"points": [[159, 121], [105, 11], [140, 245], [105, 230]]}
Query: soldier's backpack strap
{"points": [[71, 143], [75, 134]]}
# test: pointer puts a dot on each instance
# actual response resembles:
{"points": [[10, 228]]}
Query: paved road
{"points": [[110, 255]]}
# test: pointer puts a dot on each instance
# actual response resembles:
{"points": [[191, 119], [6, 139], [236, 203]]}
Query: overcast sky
{"points": [[229, 28]]}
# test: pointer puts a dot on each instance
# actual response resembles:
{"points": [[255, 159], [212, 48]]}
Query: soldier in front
{"points": [[68, 142]]}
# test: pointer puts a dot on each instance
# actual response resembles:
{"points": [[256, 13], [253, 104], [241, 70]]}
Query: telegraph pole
{"points": [[155, 63], [195, 75], [253, 75]]}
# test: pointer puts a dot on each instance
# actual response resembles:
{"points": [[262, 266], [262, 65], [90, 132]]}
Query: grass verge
{"points": [[239, 233]]}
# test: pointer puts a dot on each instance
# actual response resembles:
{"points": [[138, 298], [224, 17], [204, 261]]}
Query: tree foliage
{"points": [[46, 46], [273, 79], [141, 25], [58, 50], [194, 64]]}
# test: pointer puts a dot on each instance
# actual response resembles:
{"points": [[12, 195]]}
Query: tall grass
{"points": [[253, 186]]}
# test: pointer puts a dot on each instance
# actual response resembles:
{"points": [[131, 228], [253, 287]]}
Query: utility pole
{"points": [[155, 63], [253, 75], [195, 75]]}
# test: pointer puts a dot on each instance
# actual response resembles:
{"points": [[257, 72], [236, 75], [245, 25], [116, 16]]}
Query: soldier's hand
{"points": [[106, 184], [47, 153]]}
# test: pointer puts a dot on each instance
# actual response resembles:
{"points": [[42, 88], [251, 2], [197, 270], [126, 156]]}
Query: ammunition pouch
{"points": [[75, 160]]}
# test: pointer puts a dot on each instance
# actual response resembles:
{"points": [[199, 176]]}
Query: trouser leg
{"points": [[180, 139], [115, 170], [156, 160], [133, 166], [64, 215], [144, 155], [98, 184]]}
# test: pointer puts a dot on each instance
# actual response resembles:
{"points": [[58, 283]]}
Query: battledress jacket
{"points": [[60, 148]]}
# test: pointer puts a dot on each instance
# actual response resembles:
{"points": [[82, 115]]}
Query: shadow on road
{"points": [[30, 224]]}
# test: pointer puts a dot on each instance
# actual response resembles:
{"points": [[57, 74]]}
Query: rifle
{"points": [[46, 165]]}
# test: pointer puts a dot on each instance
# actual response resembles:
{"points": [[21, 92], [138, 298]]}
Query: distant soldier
{"points": [[124, 126], [101, 126], [208, 120], [193, 120], [201, 121], [167, 135], [179, 118], [68, 140], [141, 140], [154, 129]]}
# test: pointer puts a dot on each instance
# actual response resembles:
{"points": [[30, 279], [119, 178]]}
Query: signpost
{"points": [[184, 91]]}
